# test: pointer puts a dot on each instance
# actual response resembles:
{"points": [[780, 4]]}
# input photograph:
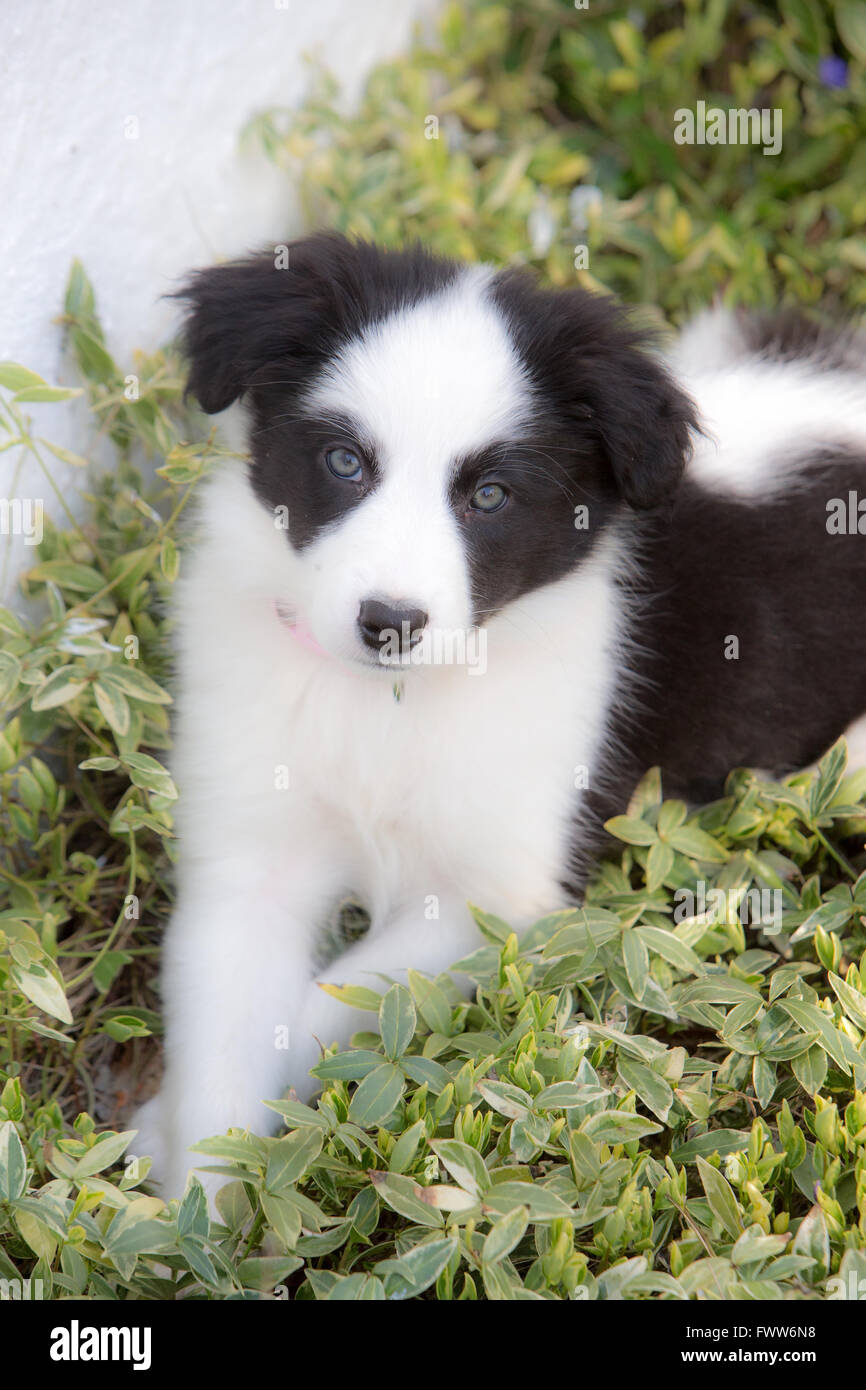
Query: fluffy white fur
{"points": [[301, 777], [465, 789], [758, 411]]}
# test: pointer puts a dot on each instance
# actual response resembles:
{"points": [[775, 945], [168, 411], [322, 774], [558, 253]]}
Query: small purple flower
{"points": [[833, 71]]}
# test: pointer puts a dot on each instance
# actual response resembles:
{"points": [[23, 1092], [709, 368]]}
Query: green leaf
{"points": [[562, 1095], [65, 455], [851, 22], [831, 769], [618, 1127], [636, 960], [406, 1147], [431, 1003], [504, 1234], [697, 844], [192, 1217], [352, 1065], [302, 1116], [79, 578], [283, 1216], [812, 1020], [354, 996], [652, 1089], [406, 1197], [490, 926], [669, 946], [852, 1001], [149, 774], [113, 706], [810, 1069], [426, 1072], [290, 1158], [412, 1273], [263, 1272], [377, 1095], [505, 1099], [104, 1154], [62, 685], [46, 394], [714, 1141], [169, 559], [763, 1080], [464, 1163], [720, 1195], [813, 1241], [542, 1203], [754, 1245], [13, 1163], [671, 814], [397, 1021], [17, 378], [134, 684], [131, 1233], [632, 830], [42, 988], [660, 861]]}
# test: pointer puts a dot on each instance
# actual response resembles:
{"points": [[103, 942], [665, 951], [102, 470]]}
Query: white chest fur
{"points": [[472, 778]]}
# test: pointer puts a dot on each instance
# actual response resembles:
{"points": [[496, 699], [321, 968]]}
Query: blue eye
{"points": [[345, 464], [488, 498]]}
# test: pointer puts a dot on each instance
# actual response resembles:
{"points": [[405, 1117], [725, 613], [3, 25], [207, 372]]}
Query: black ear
{"points": [[645, 422], [273, 318], [595, 367], [272, 309]]}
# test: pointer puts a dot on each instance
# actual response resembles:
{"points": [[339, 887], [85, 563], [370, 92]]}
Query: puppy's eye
{"points": [[345, 464], [488, 498]]}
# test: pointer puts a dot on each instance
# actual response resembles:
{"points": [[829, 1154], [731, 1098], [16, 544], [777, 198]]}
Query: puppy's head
{"points": [[440, 439]]}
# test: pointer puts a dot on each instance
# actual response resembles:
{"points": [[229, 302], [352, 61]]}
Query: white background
{"points": [[139, 212]]}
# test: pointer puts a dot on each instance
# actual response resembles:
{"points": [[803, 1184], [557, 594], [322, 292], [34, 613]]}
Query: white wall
{"points": [[140, 211]]}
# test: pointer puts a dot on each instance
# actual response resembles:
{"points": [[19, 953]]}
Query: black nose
{"points": [[381, 623]]}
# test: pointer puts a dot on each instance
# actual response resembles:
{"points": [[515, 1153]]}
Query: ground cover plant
{"points": [[656, 1095]]}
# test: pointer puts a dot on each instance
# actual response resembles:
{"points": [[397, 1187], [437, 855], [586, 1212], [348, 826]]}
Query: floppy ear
{"points": [[593, 363], [264, 310], [644, 421]]}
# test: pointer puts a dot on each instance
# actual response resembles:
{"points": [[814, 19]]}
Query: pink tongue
{"points": [[305, 637], [299, 631]]}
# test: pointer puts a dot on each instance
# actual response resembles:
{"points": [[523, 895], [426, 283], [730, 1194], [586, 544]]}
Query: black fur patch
{"points": [[745, 644], [592, 372], [785, 335], [561, 499], [252, 326], [610, 426], [767, 573], [289, 471], [610, 421], [265, 333]]}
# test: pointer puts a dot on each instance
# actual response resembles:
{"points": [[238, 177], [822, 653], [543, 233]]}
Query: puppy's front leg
{"points": [[411, 940], [236, 968]]}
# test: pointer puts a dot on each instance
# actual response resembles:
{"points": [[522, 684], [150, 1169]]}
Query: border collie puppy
{"points": [[489, 560]]}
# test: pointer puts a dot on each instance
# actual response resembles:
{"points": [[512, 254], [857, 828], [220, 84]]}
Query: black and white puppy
{"points": [[490, 559]]}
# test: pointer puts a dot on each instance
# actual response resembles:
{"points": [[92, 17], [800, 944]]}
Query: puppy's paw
{"points": [[171, 1164], [151, 1139]]}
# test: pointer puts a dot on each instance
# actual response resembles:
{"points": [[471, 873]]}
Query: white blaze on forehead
{"points": [[433, 381]]}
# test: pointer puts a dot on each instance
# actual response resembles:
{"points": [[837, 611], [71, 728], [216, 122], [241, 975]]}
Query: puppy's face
{"points": [[437, 440]]}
